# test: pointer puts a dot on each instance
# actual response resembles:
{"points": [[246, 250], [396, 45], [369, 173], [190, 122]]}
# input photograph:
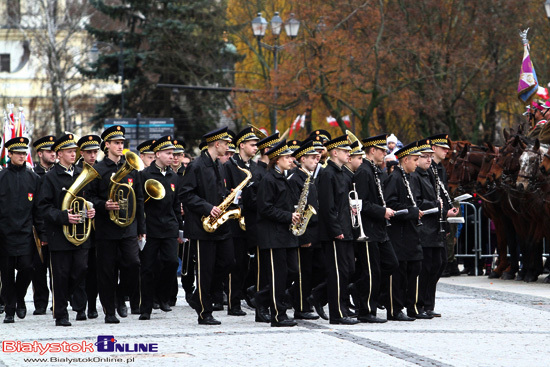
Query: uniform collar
{"points": [[331, 163]]}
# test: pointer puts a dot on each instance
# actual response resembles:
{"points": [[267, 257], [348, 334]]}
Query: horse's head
{"points": [[529, 162]]}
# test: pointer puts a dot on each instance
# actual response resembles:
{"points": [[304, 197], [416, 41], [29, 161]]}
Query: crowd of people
{"points": [[359, 225]]}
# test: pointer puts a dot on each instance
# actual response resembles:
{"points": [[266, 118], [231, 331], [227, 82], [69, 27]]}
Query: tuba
{"points": [[305, 210], [211, 224], [154, 190], [125, 200], [78, 233], [356, 221]]}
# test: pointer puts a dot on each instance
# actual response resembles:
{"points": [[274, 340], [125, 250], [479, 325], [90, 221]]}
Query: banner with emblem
{"points": [[528, 83]]}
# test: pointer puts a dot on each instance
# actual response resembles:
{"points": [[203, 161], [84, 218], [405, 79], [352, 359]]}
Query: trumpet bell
{"points": [[154, 189]]}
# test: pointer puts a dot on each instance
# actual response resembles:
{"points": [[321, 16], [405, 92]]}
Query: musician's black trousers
{"points": [[165, 252], [377, 261], [301, 289], [235, 281], [41, 292], [68, 270], [113, 255], [215, 259], [433, 265], [404, 288], [86, 292], [14, 288], [340, 263]]}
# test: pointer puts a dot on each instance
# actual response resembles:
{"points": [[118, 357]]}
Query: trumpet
{"points": [[356, 222], [127, 200], [79, 205], [154, 190]]}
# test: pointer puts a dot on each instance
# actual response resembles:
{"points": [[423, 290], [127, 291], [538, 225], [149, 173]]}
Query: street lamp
{"points": [[547, 8], [259, 27]]}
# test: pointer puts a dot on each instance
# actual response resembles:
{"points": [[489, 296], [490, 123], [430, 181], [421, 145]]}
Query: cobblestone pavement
{"points": [[485, 323]]}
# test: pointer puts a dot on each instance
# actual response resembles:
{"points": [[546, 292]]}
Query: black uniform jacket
{"points": [[297, 180], [427, 199], [19, 195], [234, 177], [163, 217], [334, 212], [249, 199], [373, 212], [40, 170], [276, 200], [403, 232], [203, 188], [99, 192], [51, 198]]}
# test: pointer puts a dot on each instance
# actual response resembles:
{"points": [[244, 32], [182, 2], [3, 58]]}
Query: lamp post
{"points": [[547, 8], [259, 28], [94, 56]]}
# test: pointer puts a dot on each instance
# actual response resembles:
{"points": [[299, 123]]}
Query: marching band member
{"points": [[404, 235], [246, 142], [376, 257], [87, 292], [301, 290], [68, 263], [46, 159], [163, 220], [19, 193], [203, 189], [146, 153], [116, 247], [276, 200], [258, 294], [433, 247], [335, 229]]}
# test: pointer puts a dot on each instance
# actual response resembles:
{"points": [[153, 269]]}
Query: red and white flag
{"points": [[332, 121], [347, 120]]}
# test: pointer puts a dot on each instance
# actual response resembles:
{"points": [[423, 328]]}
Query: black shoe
{"points": [[135, 311], [218, 306], [111, 319], [208, 320], [2, 309], [446, 274], [8, 319], [381, 307], [351, 313], [305, 315], [92, 314], [156, 306], [344, 321], [236, 311], [433, 314], [145, 316], [421, 315], [318, 307], [454, 269], [283, 323], [62, 322], [80, 316], [21, 312], [262, 315], [39, 311], [122, 309], [401, 317], [371, 319], [172, 303], [164, 306]]}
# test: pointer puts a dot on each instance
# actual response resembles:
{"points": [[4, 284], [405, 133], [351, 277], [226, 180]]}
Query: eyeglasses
{"points": [[426, 156]]}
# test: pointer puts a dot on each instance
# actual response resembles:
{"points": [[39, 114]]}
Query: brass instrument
{"points": [[78, 205], [356, 221], [38, 244], [352, 138], [210, 223], [116, 191], [305, 210], [154, 190]]}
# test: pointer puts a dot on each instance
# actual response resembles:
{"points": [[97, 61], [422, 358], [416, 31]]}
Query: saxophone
{"points": [[303, 208], [210, 223]]}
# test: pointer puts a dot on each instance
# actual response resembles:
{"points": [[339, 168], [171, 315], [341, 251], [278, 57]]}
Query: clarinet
{"points": [[379, 187], [410, 195], [442, 188]]}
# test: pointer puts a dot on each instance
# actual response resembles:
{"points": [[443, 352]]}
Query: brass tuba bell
{"points": [[78, 233], [154, 190], [126, 200]]}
